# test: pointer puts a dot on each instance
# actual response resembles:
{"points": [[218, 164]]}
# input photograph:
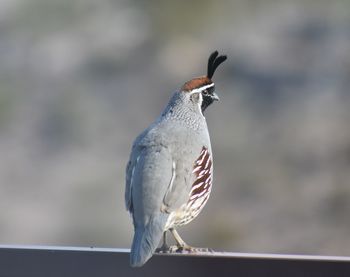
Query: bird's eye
{"points": [[205, 92]]}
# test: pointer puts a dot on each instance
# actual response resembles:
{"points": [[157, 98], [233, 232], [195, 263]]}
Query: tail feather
{"points": [[146, 240]]}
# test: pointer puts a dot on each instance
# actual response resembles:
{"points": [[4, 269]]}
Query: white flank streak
{"points": [[172, 176], [200, 194], [200, 162], [196, 204], [202, 172], [206, 165], [196, 169], [137, 159], [133, 169], [208, 181], [132, 174], [197, 186]]}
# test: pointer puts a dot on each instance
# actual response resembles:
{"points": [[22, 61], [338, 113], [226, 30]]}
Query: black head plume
{"points": [[213, 62]]}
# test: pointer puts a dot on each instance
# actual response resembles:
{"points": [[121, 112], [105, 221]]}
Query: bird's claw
{"points": [[164, 249], [187, 249]]}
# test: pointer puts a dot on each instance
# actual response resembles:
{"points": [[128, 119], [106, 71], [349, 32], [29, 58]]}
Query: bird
{"points": [[169, 174]]}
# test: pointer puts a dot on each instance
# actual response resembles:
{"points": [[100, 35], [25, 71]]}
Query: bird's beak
{"points": [[215, 97]]}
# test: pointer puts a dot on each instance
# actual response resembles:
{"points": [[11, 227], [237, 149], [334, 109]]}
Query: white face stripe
{"points": [[196, 90]]}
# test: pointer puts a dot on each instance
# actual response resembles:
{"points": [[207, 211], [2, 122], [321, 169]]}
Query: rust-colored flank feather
{"points": [[196, 83]]}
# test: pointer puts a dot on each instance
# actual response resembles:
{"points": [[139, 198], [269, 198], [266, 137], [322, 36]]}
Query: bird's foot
{"points": [[190, 249], [164, 249]]}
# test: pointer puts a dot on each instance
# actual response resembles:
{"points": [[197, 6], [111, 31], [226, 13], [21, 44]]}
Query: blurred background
{"points": [[80, 79]]}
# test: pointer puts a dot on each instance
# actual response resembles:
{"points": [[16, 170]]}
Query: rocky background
{"points": [[80, 79]]}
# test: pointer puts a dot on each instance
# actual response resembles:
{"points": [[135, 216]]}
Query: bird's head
{"points": [[201, 90]]}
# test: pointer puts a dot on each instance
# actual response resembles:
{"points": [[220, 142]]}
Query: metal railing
{"points": [[32, 261]]}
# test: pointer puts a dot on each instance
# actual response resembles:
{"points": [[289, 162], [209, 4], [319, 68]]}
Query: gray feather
{"points": [[159, 172], [146, 240], [130, 170], [148, 176]]}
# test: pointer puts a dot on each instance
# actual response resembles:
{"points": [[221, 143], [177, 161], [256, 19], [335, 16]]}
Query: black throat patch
{"points": [[207, 100]]}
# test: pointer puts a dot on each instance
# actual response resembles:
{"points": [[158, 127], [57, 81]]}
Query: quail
{"points": [[170, 171]]}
